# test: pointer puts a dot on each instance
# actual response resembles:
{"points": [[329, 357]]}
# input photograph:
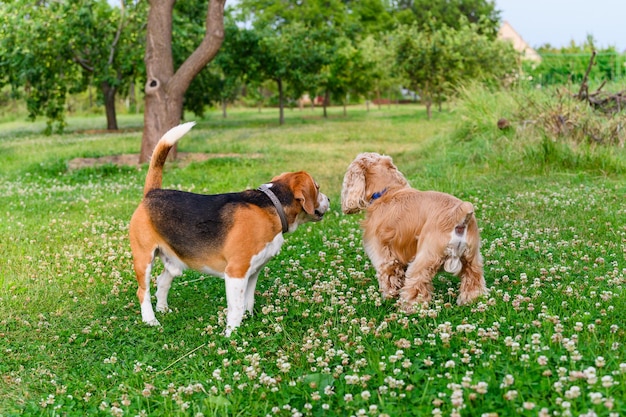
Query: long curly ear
{"points": [[353, 188]]}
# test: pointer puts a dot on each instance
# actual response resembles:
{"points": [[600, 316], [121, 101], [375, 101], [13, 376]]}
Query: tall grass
{"points": [[545, 130], [548, 340]]}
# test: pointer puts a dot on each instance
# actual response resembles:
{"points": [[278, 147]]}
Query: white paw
{"points": [[469, 297], [163, 309], [153, 322]]}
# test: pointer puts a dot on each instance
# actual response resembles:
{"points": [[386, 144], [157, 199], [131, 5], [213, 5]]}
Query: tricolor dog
{"points": [[231, 235]]}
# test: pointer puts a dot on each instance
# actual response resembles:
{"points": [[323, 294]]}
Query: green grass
{"points": [[548, 340]]}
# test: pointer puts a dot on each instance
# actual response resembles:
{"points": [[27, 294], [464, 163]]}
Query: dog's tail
{"points": [[159, 155], [466, 211], [458, 242]]}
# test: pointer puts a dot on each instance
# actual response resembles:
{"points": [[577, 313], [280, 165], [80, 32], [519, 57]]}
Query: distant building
{"points": [[507, 33]]}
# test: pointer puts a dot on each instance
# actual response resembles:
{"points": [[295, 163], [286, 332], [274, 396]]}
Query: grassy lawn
{"points": [[548, 340]]}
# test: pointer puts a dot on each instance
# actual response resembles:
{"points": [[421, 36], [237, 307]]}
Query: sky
{"points": [[557, 22]]}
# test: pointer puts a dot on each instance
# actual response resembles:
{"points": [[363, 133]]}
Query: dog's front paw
{"points": [[229, 330], [411, 307], [470, 296], [163, 308], [153, 322]]}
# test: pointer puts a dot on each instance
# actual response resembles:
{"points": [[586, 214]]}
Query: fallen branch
{"points": [[584, 87]]}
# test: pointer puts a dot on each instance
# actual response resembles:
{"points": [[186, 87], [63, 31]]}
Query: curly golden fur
{"points": [[410, 235]]}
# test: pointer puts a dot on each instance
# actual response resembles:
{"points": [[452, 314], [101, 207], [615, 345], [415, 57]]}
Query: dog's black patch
{"points": [[192, 222]]}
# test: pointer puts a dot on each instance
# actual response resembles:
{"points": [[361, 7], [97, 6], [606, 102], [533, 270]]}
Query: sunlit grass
{"points": [[548, 340]]}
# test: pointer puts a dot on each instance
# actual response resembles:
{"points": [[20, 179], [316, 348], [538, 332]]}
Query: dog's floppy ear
{"points": [[353, 188], [305, 192]]}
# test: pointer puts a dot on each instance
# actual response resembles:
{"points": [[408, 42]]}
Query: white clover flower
{"points": [[507, 381], [595, 397], [607, 381], [217, 374], [285, 367], [351, 379], [481, 387], [366, 395], [510, 395], [573, 392]]}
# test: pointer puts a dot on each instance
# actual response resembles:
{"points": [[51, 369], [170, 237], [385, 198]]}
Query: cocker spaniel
{"points": [[409, 235]]}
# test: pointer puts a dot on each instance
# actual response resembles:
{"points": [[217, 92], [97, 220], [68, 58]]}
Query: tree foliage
{"points": [[569, 64], [435, 61], [334, 48], [51, 49], [450, 13]]}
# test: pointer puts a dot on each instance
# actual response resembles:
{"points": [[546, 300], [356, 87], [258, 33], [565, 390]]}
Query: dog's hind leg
{"points": [[472, 280], [143, 269], [418, 285], [171, 269]]}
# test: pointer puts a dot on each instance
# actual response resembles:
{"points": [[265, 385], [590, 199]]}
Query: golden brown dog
{"points": [[409, 235], [227, 235]]}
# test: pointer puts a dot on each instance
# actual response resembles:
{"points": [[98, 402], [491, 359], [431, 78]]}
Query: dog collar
{"points": [[377, 195], [279, 208]]}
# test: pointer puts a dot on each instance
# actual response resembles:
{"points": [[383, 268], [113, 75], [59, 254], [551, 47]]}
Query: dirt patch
{"points": [[132, 159]]}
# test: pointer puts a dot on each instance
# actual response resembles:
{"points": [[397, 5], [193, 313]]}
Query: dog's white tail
{"points": [[154, 178], [458, 240]]}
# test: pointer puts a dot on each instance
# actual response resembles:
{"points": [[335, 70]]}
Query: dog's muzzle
{"points": [[322, 208]]}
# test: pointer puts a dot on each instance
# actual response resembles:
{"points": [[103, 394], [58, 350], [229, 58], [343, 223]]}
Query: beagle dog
{"points": [[231, 235]]}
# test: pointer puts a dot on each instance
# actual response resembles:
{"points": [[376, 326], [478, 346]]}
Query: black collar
{"points": [[279, 208], [377, 195]]}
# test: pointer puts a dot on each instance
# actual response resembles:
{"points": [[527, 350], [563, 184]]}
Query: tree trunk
{"points": [[132, 100], [224, 108], [165, 89], [326, 101], [108, 91], [281, 107]]}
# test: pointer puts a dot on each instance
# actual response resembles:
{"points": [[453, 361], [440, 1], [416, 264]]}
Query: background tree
{"points": [[426, 13], [436, 60], [379, 53], [165, 88], [235, 68], [51, 49], [346, 70], [33, 63], [109, 56], [292, 58]]}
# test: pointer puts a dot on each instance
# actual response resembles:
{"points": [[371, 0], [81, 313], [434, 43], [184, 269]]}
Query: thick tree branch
{"points": [[207, 49]]}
